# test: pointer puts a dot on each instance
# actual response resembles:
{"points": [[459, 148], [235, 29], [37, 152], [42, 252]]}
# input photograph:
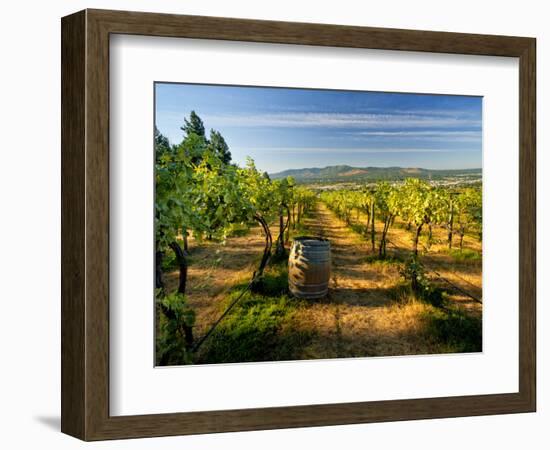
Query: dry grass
{"points": [[368, 311], [463, 269], [214, 269]]}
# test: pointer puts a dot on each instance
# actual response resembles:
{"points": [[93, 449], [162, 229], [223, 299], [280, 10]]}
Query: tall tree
{"points": [[220, 148], [194, 125], [162, 145]]}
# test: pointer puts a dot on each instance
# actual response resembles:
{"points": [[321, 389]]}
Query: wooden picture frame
{"points": [[85, 224]]}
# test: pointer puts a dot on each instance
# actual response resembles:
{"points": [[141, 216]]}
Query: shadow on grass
{"points": [[264, 326], [259, 328], [460, 332]]}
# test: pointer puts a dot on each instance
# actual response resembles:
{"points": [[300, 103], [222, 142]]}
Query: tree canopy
{"points": [[218, 145], [193, 125]]}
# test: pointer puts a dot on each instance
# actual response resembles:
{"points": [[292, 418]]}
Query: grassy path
{"points": [[364, 314], [354, 281]]}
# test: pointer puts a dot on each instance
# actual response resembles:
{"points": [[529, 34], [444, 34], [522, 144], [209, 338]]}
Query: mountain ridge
{"points": [[345, 172]]}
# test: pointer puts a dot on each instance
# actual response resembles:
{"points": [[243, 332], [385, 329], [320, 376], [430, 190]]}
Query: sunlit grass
{"points": [[260, 327], [465, 255]]}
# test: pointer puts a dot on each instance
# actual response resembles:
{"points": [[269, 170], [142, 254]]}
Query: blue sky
{"points": [[297, 128]]}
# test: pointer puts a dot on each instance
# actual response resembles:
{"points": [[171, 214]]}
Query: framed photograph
{"points": [[272, 225]]}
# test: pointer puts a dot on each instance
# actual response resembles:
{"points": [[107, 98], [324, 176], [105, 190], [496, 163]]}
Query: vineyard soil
{"points": [[214, 269], [369, 310]]}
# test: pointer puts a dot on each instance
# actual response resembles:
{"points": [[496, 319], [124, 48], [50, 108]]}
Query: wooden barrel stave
{"points": [[309, 267]]}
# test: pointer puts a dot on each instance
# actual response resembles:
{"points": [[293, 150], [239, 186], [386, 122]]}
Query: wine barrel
{"points": [[309, 267]]}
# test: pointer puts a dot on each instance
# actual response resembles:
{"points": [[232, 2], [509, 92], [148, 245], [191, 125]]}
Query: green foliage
{"points": [[193, 148], [259, 191], [220, 200], [219, 147], [344, 202], [415, 201], [386, 199], [274, 282], [196, 190], [194, 125], [174, 315], [195, 144], [169, 262], [174, 196], [460, 332], [413, 271], [285, 191], [419, 203], [469, 212], [303, 199], [162, 145], [237, 230]]}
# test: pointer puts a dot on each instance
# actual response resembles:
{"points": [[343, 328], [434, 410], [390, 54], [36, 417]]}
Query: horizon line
{"points": [[375, 167]]}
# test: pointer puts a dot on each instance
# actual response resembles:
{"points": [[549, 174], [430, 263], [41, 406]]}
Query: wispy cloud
{"points": [[420, 119], [417, 135], [345, 120], [282, 128]]}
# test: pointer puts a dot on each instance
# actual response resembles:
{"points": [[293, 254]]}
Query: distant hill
{"points": [[349, 173]]}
